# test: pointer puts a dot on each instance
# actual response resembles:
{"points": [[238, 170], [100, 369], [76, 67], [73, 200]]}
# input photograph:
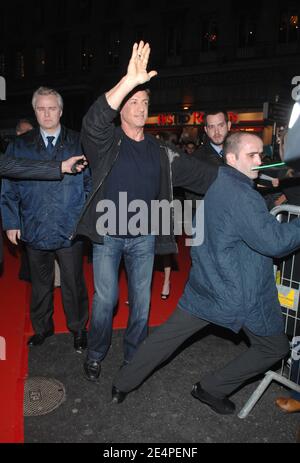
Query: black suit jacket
{"points": [[207, 153], [27, 169]]}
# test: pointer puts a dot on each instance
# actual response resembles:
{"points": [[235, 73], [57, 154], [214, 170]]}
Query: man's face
{"points": [[217, 128], [24, 127], [250, 153], [135, 111], [48, 112]]}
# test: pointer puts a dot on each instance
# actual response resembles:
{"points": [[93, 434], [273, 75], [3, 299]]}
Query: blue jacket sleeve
{"points": [[10, 201], [260, 230]]}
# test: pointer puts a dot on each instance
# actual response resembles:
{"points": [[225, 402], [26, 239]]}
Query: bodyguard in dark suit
{"points": [[217, 127], [44, 215]]}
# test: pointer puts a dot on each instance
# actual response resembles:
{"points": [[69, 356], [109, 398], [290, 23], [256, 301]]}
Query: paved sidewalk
{"points": [[162, 410]]}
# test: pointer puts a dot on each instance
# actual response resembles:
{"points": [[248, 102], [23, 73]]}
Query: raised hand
{"points": [[137, 74], [137, 68]]}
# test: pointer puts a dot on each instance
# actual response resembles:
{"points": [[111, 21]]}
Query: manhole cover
{"points": [[42, 396]]}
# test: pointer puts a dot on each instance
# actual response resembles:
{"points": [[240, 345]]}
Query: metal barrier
{"points": [[287, 274]]}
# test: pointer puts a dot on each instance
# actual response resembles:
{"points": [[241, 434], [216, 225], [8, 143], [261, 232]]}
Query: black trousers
{"points": [[157, 348], [73, 289]]}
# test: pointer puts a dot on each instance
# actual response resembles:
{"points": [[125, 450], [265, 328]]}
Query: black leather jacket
{"points": [[102, 140]]}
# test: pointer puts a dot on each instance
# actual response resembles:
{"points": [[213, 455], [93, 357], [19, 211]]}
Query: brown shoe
{"points": [[288, 405]]}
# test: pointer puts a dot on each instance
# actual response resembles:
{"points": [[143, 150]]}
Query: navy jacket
{"points": [[44, 211], [24, 168], [231, 282]]}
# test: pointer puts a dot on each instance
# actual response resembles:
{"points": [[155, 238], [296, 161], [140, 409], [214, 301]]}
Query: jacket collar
{"points": [[35, 138], [234, 173]]}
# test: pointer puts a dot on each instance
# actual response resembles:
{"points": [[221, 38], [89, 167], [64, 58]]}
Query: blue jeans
{"points": [[138, 256]]}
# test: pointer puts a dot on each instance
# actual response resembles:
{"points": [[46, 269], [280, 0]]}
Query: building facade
{"points": [[228, 55]]}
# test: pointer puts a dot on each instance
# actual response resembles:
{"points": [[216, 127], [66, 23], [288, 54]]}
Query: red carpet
{"points": [[15, 328]]}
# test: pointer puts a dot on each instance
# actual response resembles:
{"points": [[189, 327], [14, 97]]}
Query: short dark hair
{"points": [[213, 112], [139, 88]]}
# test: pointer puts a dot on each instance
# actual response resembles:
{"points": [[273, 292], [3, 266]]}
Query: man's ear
{"points": [[205, 128], [231, 159], [229, 125]]}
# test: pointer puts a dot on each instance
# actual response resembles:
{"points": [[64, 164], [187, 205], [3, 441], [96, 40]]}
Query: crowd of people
{"points": [[54, 201]]}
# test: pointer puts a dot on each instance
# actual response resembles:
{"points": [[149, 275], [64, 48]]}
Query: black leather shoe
{"points": [[92, 370], [222, 406], [38, 339], [117, 396], [80, 341]]}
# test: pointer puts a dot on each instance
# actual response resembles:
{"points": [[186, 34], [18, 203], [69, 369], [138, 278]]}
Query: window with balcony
{"points": [[39, 12], [20, 65], [2, 64], [246, 36], [174, 41], [62, 12], [2, 21], [112, 47], [140, 33], [40, 61], [87, 55], [289, 26], [110, 7], [85, 11], [209, 34], [246, 32], [61, 55]]}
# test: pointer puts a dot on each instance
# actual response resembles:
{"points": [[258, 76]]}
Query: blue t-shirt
{"points": [[136, 173]]}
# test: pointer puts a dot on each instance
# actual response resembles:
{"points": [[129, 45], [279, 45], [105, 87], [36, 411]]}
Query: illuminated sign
{"points": [[197, 118]]}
